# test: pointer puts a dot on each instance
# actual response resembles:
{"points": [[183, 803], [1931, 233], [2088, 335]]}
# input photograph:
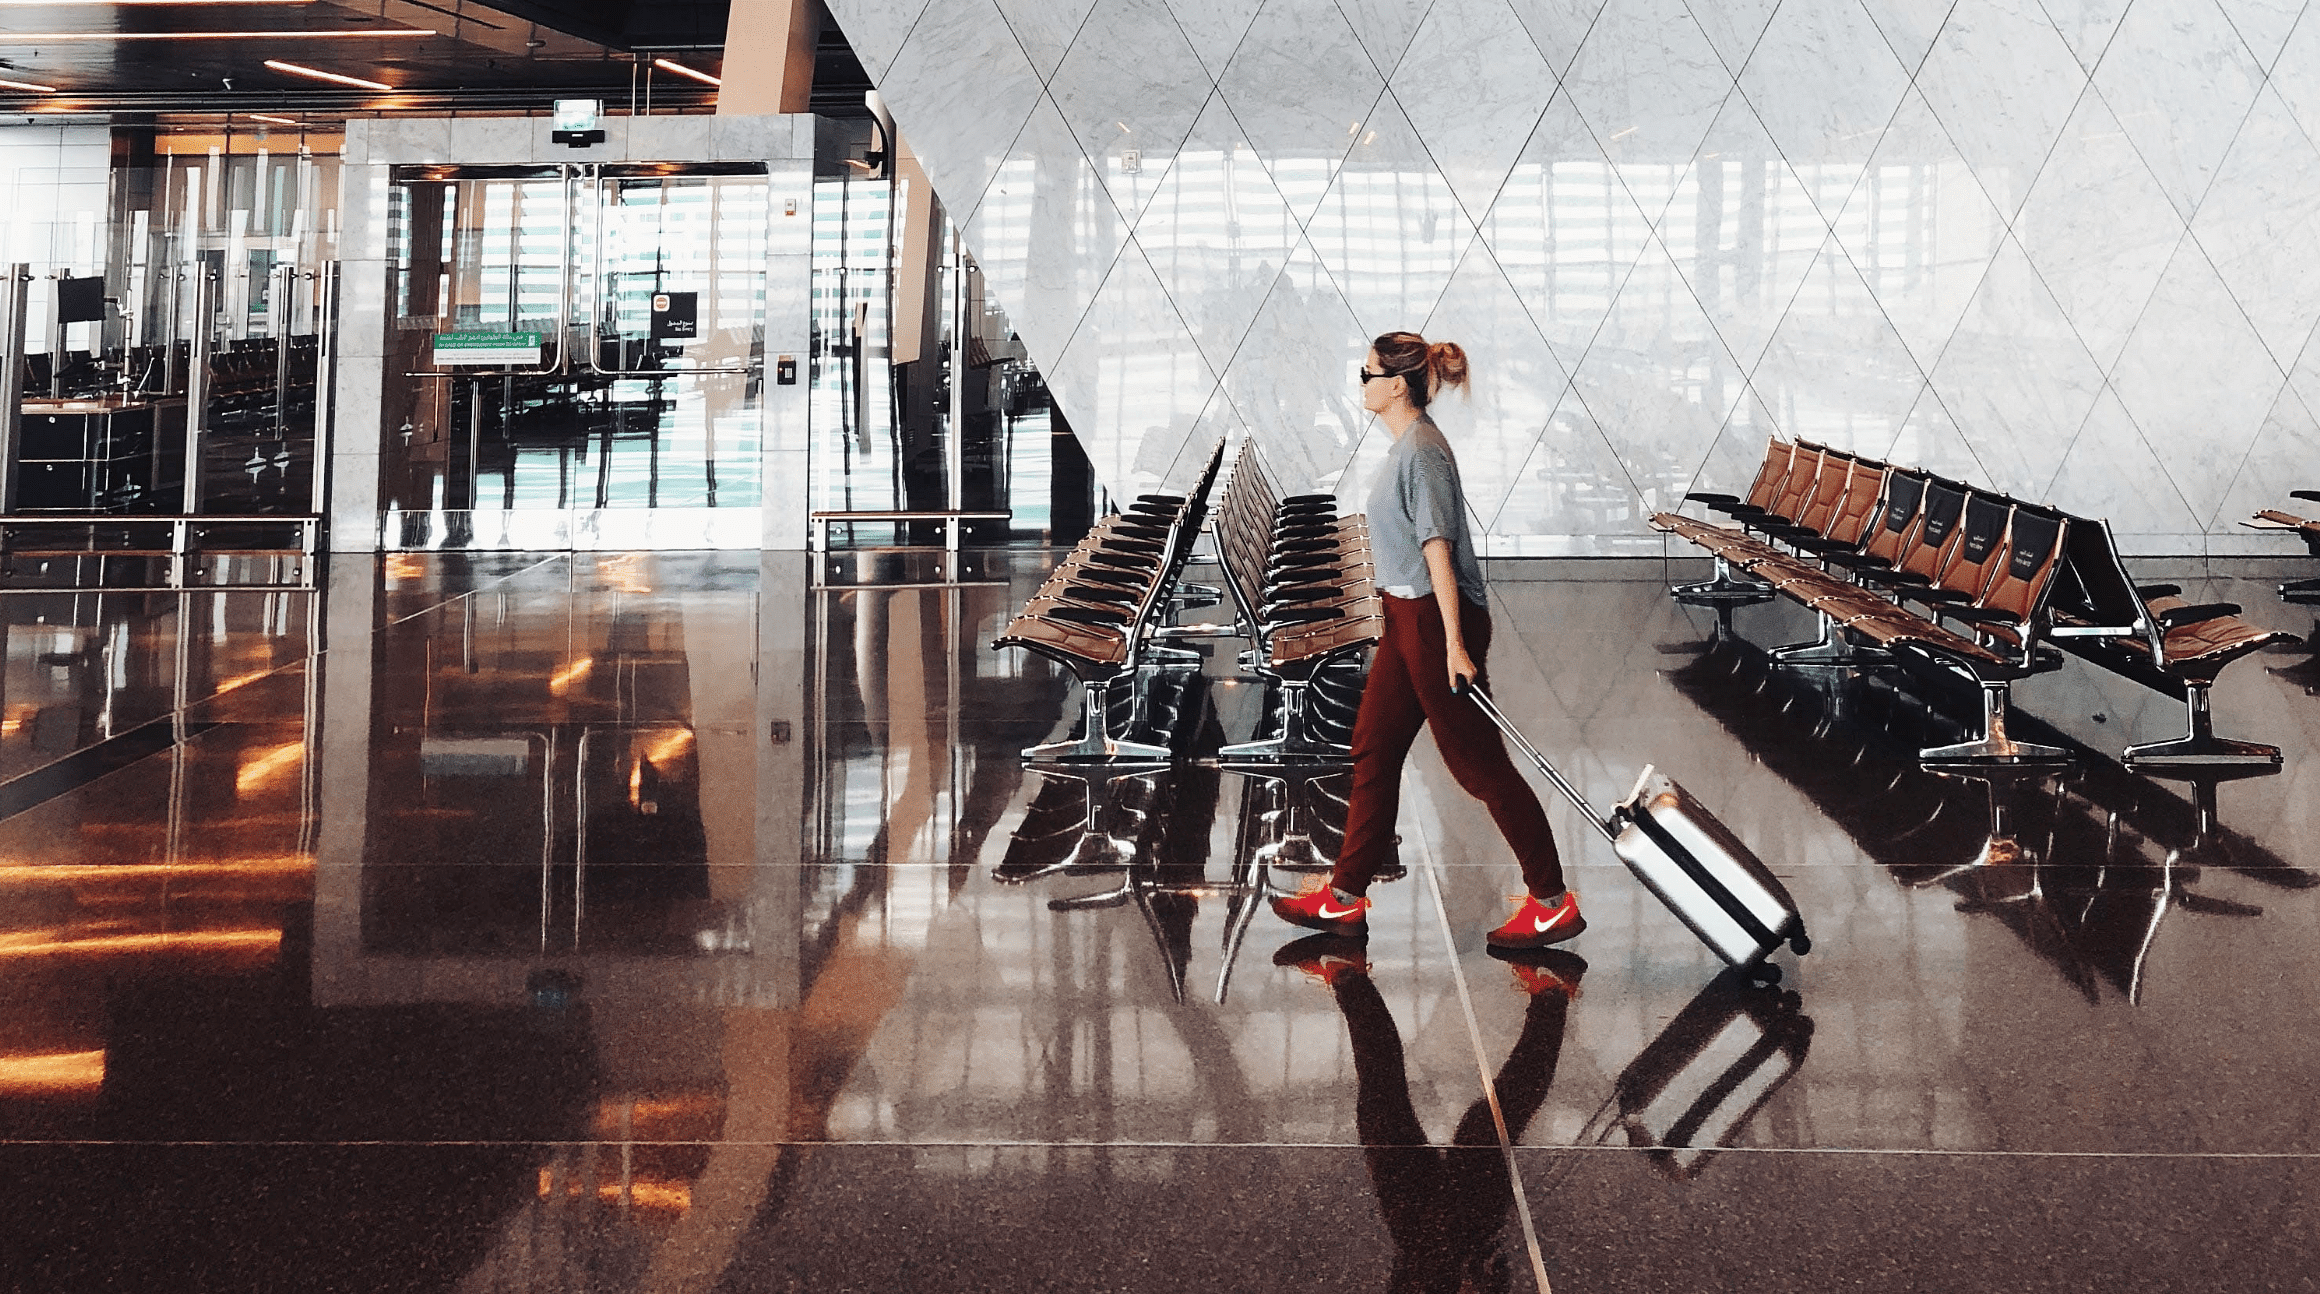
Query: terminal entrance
{"points": [[526, 352], [577, 339]]}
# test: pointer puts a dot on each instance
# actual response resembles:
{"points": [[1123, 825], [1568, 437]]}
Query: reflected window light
{"points": [[266, 765], [29, 945], [561, 681], [55, 1073]]}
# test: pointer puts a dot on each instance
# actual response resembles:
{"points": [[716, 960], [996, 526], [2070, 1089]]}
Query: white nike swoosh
{"points": [[1325, 914], [1541, 925]]}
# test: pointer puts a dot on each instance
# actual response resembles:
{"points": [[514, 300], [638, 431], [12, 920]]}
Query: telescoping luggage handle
{"points": [[1748, 921], [1481, 698]]}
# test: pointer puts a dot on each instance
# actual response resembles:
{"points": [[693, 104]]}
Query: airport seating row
{"points": [[1097, 614], [1890, 558], [1301, 581], [2307, 529], [242, 381]]}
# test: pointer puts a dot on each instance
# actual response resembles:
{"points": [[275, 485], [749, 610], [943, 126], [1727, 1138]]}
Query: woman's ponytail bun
{"points": [[1429, 366], [1446, 364]]}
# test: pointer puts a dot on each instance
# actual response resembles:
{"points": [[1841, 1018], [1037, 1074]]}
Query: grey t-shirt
{"points": [[1417, 498]]}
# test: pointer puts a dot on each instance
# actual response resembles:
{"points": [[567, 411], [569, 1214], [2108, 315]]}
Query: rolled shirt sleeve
{"points": [[1430, 495]]}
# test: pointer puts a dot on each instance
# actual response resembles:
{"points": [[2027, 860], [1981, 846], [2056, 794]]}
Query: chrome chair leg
{"points": [[1097, 741], [1725, 587], [1994, 745], [2200, 745], [1831, 651]]}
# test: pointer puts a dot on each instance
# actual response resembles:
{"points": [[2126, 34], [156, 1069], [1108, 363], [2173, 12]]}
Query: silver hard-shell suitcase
{"points": [[1705, 875]]}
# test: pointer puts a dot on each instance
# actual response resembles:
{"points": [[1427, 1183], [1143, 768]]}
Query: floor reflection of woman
{"points": [[1444, 1206], [1437, 635]]}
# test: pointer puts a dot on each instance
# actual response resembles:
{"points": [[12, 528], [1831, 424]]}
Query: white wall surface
{"points": [[2065, 248], [53, 204]]}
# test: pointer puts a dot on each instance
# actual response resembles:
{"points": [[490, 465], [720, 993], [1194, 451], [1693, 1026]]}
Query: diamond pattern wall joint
{"points": [[2066, 248]]}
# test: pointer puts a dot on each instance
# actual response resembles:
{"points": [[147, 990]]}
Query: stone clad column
{"points": [[769, 57]]}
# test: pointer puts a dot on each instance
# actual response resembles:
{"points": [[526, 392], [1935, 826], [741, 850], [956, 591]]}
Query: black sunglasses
{"points": [[1366, 375]]}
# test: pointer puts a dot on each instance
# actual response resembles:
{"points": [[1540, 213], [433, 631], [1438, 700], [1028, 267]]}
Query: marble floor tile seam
{"points": [[446, 598], [173, 716], [1019, 1143], [1527, 1223]]}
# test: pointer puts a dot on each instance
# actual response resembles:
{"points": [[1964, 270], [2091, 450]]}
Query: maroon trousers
{"points": [[1409, 688]]}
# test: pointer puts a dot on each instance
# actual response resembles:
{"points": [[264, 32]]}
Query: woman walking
{"points": [[1437, 635]]}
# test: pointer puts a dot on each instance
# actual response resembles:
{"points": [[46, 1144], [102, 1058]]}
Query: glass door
{"points": [[585, 349]]}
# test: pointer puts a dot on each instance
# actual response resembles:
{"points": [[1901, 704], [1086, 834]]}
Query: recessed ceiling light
{"points": [[53, 37], [27, 85], [279, 121], [320, 75], [681, 70]]}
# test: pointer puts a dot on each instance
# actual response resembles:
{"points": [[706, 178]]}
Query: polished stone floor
{"points": [[688, 922]]}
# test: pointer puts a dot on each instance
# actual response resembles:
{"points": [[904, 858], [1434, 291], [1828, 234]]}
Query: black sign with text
{"points": [[676, 316]]}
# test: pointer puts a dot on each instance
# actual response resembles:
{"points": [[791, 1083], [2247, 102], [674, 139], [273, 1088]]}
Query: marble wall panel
{"points": [[2004, 82], [1826, 112], [1045, 28], [1920, 229], [2296, 75], [2086, 25], [1293, 377], [1909, 26], [1469, 86], [2016, 378], [1566, 231], [1046, 234], [1215, 28], [2264, 25], [960, 90], [1647, 83], [2056, 246], [1385, 29], [2204, 426], [1733, 27], [1572, 496], [2181, 81], [2284, 450], [1390, 231], [2099, 228], [1130, 89], [1515, 385], [2260, 225], [1217, 232], [1133, 366], [1836, 372], [1659, 371], [1308, 87], [1557, 27], [2305, 376], [2112, 472], [876, 28], [1744, 230]]}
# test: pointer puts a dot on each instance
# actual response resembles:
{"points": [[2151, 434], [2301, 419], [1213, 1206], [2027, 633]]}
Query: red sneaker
{"points": [[1317, 907], [1537, 923], [1324, 957]]}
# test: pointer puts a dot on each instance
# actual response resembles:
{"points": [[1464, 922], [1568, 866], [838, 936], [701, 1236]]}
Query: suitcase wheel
{"points": [[1800, 943]]}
